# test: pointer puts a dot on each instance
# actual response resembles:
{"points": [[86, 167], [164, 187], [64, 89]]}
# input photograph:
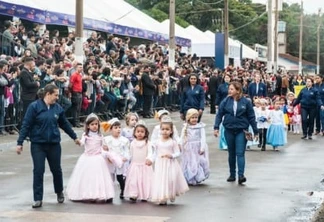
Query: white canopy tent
{"points": [[116, 12], [179, 31]]}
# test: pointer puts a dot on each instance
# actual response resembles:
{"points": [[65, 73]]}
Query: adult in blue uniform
{"points": [[257, 88], [222, 90], [193, 96], [238, 114], [41, 123], [319, 85], [310, 101]]}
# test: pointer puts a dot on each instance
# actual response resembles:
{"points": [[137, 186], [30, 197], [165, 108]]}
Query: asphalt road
{"points": [[281, 186]]}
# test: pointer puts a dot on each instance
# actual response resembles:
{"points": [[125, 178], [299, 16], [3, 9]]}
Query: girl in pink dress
{"points": [[168, 179], [90, 179], [140, 172]]}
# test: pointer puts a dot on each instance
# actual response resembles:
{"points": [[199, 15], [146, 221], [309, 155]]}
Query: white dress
{"points": [[168, 179], [120, 146]]}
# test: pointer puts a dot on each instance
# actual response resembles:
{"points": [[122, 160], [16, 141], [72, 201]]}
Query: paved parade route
{"points": [[279, 187]]}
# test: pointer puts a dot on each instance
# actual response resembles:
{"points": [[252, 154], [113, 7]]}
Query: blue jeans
{"points": [[236, 143], [2, 112], [322, 120], [51, 152]]}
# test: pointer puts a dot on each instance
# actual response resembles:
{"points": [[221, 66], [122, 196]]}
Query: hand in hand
{"points": [[167, 156], [200, 112], [19, 149], [216, 133], [148, 162], [77, 142], [105, 148], [256, 138], [124, 159]]}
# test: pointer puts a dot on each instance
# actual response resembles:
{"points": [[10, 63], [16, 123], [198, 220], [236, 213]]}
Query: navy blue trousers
{"points": [[52, 152]]}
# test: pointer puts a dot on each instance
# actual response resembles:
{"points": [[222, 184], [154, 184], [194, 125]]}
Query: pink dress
{"points": [[139, 175], [168, 180], [91, 179]]}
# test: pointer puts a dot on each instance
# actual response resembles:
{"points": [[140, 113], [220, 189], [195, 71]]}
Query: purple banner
{"points": [[55, 18]]}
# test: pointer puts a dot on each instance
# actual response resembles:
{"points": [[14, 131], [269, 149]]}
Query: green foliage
{"points": [[247, 21]]}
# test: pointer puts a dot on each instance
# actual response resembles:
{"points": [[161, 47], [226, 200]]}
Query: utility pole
{"points": [[275, 58], [172, 42], [79, 30], [319, 41], [270, 36], [226, 35], [301, 39]]}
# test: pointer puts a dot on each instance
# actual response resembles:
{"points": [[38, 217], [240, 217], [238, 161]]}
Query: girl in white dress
{"points": [[168, 179], [262, 116], [195, 158], [119, 145]]}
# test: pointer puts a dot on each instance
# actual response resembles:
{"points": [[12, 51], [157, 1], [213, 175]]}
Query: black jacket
{"points": [[28, 85], [148, 85], [213, 84]]}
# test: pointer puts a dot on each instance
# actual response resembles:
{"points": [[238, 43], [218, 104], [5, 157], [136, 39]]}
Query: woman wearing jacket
{"points": [[238, 114], [222, 90], [309, 100], [193, 96], [41, 123]]}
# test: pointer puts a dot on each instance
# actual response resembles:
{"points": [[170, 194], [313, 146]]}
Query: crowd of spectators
{"points": [[115, 77]]}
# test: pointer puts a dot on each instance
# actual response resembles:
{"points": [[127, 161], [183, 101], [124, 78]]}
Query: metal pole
{"points": [[226, 34], [270, 36], [319, 41], [301, 39], [172, 42], [222, 20], [79, 30], [276, 37]]}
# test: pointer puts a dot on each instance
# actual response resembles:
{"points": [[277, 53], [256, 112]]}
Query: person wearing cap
{"points": [[41, 123]]}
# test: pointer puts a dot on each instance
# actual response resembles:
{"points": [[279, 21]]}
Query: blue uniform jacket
{"points": [[192, 98], [308, 98], [244, 115], [42, 124], [262, 92], [221, 93], [320, 89]]}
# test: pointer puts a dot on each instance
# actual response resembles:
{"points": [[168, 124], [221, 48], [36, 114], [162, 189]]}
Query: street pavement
{"points": [[281, 186]]}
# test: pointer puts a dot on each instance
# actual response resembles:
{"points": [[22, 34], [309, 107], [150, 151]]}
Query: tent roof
{"points": [[198, 36], [179, 31], [118, 17]]}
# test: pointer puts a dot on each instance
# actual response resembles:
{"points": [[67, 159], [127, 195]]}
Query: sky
{"points": [[310, 6]]}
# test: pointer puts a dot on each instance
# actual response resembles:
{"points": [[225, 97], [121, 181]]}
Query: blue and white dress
{"points": [[276, 135]]}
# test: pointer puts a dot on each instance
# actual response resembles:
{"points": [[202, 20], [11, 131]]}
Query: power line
{"points": [[253, 20]]}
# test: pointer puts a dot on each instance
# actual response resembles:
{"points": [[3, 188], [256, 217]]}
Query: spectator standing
{"points": [[76, 90]]}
